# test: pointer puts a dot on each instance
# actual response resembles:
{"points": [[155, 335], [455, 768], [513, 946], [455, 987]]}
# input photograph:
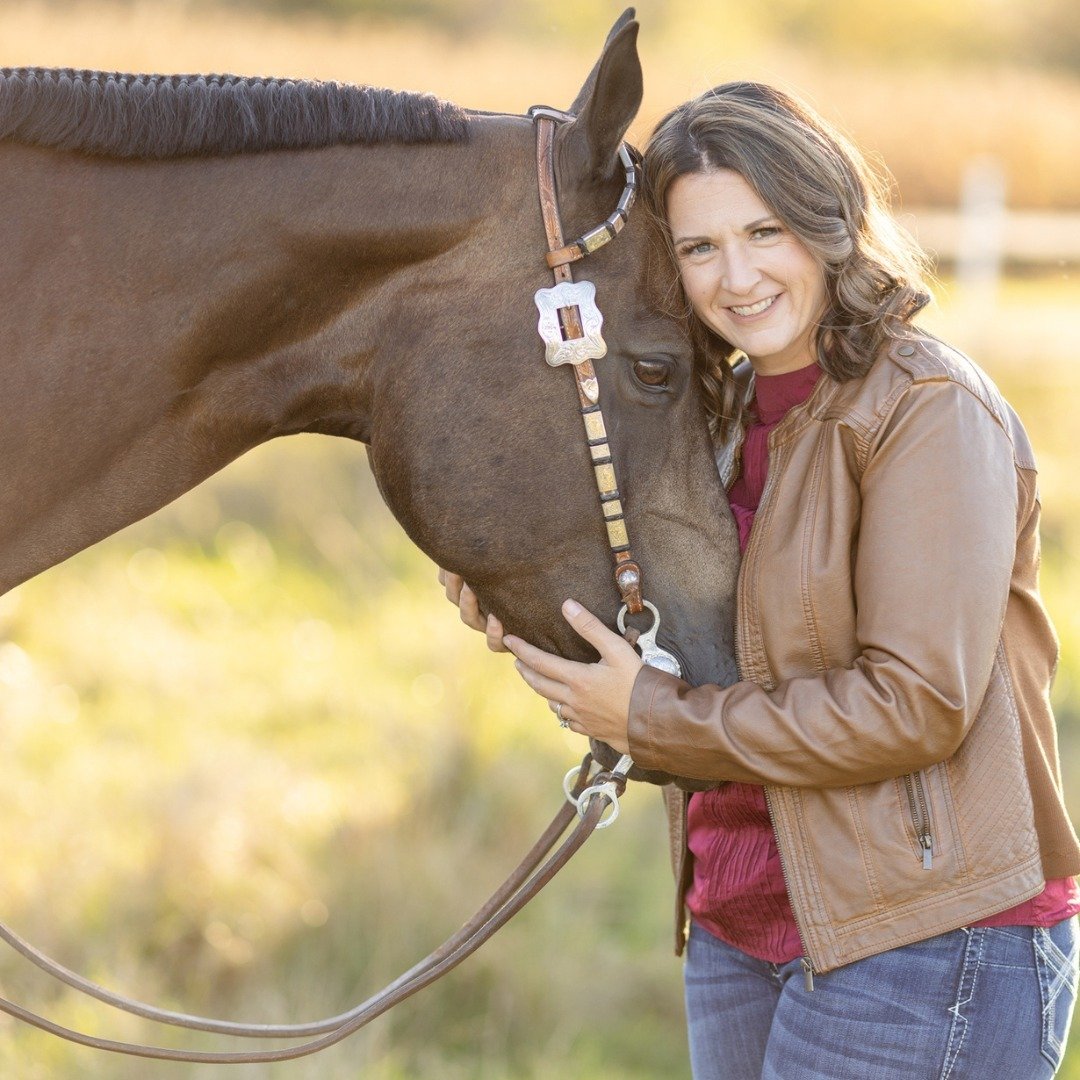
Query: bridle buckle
{"points": [[558, 348]]}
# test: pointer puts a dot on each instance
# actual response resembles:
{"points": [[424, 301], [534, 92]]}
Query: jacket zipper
{"points": [[920, 816], [807, 961], [808, 965], [736, 464]]}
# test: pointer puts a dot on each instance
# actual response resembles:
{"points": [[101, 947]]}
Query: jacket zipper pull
{"points": [[808, 973], [927, 842]]}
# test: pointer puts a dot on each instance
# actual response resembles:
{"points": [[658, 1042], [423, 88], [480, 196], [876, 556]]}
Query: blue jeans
{"points": [[974, 1004]]}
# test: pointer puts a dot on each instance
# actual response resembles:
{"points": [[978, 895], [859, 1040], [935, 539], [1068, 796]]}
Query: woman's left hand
{"points": [[595, 698]]}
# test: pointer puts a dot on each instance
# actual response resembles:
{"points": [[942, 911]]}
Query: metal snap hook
{"points": [[651, 653]]}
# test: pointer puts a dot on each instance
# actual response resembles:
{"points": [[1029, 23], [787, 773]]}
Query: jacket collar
{"points": [[728, 453]]}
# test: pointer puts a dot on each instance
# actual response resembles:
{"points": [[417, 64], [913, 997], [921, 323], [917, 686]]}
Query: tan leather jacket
{"points": [[896, 660]]}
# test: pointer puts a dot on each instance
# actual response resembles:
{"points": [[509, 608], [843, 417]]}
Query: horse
{"points": [[195, 265]]}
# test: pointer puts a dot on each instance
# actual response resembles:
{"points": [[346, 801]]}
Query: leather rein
{"points": [[570, 324]]}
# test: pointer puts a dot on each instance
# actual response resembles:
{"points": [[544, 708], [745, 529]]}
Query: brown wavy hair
{"points": [[825, 192]]}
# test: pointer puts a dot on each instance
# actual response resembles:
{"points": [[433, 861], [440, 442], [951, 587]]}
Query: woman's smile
{"points": [[758, 308]]}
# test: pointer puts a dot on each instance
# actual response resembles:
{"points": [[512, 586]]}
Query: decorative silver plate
{"points": [[580, 294]]}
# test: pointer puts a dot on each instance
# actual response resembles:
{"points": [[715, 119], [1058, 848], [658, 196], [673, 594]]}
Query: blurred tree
{"points": [[1052, 31], [1042, 33], [470, 17], [923, 31]]}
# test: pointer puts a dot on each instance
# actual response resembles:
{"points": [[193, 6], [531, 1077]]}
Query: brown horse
{"points": [[192, 266]]}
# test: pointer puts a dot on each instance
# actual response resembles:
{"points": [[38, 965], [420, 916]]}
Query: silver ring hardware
{"points": [[651, 653]]}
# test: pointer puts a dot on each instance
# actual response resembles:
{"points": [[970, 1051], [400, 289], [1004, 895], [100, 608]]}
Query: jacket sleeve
{"points": [[931, 569]]}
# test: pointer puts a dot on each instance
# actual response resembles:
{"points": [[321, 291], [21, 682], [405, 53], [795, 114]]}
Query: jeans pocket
{"points": [[1056, 964]]}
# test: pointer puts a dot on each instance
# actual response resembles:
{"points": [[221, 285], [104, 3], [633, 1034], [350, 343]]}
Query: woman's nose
{"points": [[739, 275]]}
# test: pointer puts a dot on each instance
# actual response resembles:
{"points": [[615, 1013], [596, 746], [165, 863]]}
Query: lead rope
{"points": [[589, 797]]}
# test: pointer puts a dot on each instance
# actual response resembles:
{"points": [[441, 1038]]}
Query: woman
{"points": [[882, 883]]}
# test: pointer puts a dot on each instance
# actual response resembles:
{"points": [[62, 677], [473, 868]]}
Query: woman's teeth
{"points": [[754, 309]]}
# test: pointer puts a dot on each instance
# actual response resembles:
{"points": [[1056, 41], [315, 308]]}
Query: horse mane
{"points": [[164, 116]]}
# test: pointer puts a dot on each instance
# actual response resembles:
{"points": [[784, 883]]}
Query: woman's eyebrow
{"points": [[760, 221], [746, 228]]}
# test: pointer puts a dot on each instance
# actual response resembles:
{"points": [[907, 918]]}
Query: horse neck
{"points": [[174, 314]]}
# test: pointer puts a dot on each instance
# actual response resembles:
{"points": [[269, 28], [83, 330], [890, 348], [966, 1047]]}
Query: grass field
{"points": [[253, 764], [259, 766]]}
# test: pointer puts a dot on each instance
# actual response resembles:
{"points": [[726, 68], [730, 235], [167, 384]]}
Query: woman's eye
{"points": [[694, 249], [766, 231], [652, 372]]}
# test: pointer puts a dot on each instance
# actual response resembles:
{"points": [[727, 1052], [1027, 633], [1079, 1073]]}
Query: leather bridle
{"points": [[570, 325]]}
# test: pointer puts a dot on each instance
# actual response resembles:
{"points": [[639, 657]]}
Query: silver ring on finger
{"points": [[563, 722]]}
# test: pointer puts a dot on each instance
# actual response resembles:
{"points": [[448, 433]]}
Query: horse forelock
{"points": [[161, 116]]}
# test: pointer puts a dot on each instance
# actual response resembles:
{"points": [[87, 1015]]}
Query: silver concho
{"points": [[581, 294]]}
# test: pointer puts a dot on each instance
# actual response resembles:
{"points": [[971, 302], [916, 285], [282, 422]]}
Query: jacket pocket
{"points": [[915, 851], [865, 843], [922, 823]]}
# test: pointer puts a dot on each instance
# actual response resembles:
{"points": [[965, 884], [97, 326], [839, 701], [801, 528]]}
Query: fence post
{"points": [[980, 247]]}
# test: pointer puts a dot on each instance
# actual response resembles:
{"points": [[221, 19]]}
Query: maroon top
{"points": [[738, 891]]}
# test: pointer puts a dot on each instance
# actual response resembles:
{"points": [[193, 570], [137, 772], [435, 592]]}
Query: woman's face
{"points": [[748, 277]]}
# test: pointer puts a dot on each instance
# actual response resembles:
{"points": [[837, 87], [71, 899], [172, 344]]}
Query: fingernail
{"points": [[571, 608], [519, 665]]}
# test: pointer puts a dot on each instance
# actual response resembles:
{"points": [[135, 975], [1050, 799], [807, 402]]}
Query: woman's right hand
{"points": [[459, 593]]}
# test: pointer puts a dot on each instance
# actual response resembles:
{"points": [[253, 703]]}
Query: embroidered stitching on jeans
{"points": [[1059, 968], [968, 976]]}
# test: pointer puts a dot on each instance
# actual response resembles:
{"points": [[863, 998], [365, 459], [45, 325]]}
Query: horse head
{"points": [[478, 446]]}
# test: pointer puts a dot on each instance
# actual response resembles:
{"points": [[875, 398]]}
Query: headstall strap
{"points": [[578, 341]]}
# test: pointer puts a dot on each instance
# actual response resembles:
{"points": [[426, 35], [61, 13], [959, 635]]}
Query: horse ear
{"points": [[624, 19], [607, 104]]}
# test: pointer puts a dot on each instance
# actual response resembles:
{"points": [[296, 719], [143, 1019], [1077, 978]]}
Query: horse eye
{"points": [[652, 372]]}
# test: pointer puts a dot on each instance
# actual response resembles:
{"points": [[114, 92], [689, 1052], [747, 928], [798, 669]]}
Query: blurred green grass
{"points": [[255, 766]]}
